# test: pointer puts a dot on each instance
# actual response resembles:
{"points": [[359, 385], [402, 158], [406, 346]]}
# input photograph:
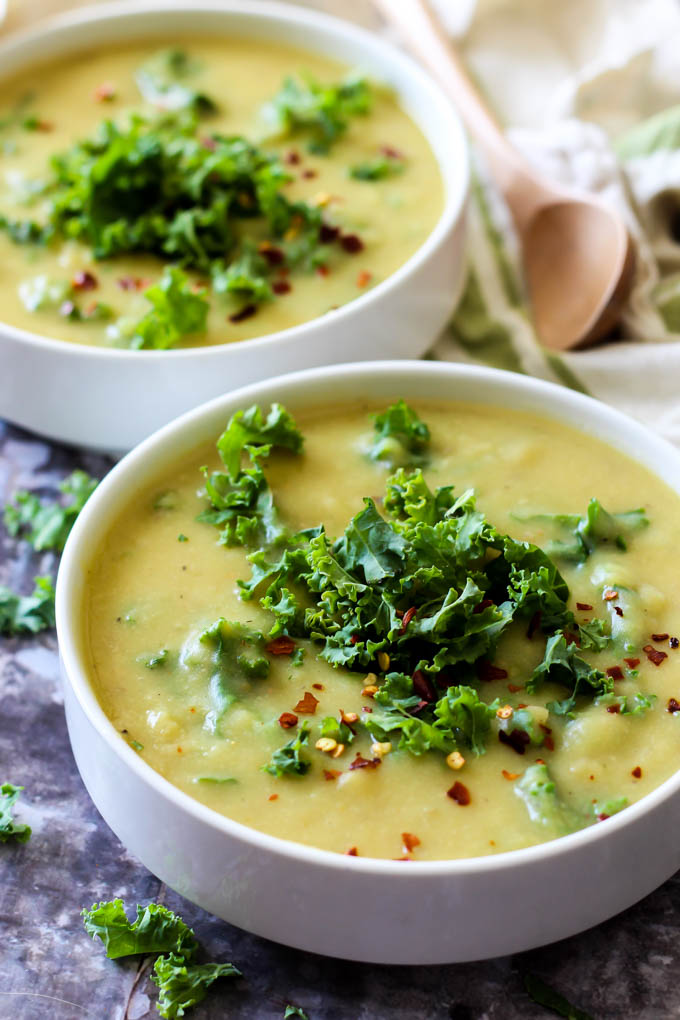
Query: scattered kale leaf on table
{"points": [[9, 829]]}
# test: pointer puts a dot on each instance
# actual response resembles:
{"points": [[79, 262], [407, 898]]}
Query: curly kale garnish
{"points": [[9, 829], [401, 438], [320, 111], [291, 760], [579, 536], [182, 982], [47, 525]]}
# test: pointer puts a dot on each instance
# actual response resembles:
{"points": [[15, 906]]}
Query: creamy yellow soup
{"points": [[161, 577], [45, 111]]}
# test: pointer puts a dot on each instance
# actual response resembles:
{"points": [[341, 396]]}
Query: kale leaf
{"points": [[319, 110], [47, 525], [238, 657], [563, 665], [27, 614], [290, 759], [9, 829], [584, 534], [183, 984], [155, 930], [401, 437], [544, 995], [242, 504], [162, 81], [178, 310], [377, 169], [295, 1011], [536, 788]]}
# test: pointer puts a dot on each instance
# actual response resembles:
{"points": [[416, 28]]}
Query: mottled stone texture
{"points": [[625, 968]]}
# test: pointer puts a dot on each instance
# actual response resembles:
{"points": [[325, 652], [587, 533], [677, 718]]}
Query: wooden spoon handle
{"points": [[523, 189]]}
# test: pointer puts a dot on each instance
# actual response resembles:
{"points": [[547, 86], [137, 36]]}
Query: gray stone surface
{"points": [[49, 968]]}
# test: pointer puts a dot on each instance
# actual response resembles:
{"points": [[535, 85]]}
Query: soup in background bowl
{"points": [[435, 674], [178, 179]]}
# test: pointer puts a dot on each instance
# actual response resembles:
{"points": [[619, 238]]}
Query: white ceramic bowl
{"points": [[358, 908], [110, 399]]}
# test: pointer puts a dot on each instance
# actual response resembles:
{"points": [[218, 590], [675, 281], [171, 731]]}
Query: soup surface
{"points": [[210, 704], [337, 190]]}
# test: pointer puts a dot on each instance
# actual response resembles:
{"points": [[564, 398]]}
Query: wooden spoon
{"points": [[578, 258]]}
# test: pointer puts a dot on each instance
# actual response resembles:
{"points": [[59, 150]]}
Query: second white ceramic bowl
{"points": [[110, 399], [361, 909]]}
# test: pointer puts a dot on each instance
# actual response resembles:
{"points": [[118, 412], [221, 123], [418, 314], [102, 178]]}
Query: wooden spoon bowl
{"points": [[578, 257]]}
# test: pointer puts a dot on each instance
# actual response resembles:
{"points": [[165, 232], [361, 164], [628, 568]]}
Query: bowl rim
{"points": [[556, 398], [288, 15]]}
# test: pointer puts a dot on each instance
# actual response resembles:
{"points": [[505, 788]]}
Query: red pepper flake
{"points": [[584, 607], [132, 283], [615, 672], [105, 93], [510, 775], [610, 594], [364, 763], [460, 793], [546, 729], [274, 256], [179, 750], [322, 270], [618, 610], [654, 655], [534, 624], [404, 858], [673, 706], [84, 281], [318, 687], [674, 642], [287, 720], [422, 685], [244, 313], [365, 708], [292, 157], [632, 663], [352, 852], [364, 278], [488, 672], [283, 645], [409, 842], [603, 817], [351, 243], [637, 772], [481, 606], [514, 688], [390, 152], [307, 704], [353, 640], [659, 637], [328, 233], [273, 796], [549, 743], [281, 287], [614, 709], [308, 174], [517, 740], [572, 638], [406, 619], [331, 773]]}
